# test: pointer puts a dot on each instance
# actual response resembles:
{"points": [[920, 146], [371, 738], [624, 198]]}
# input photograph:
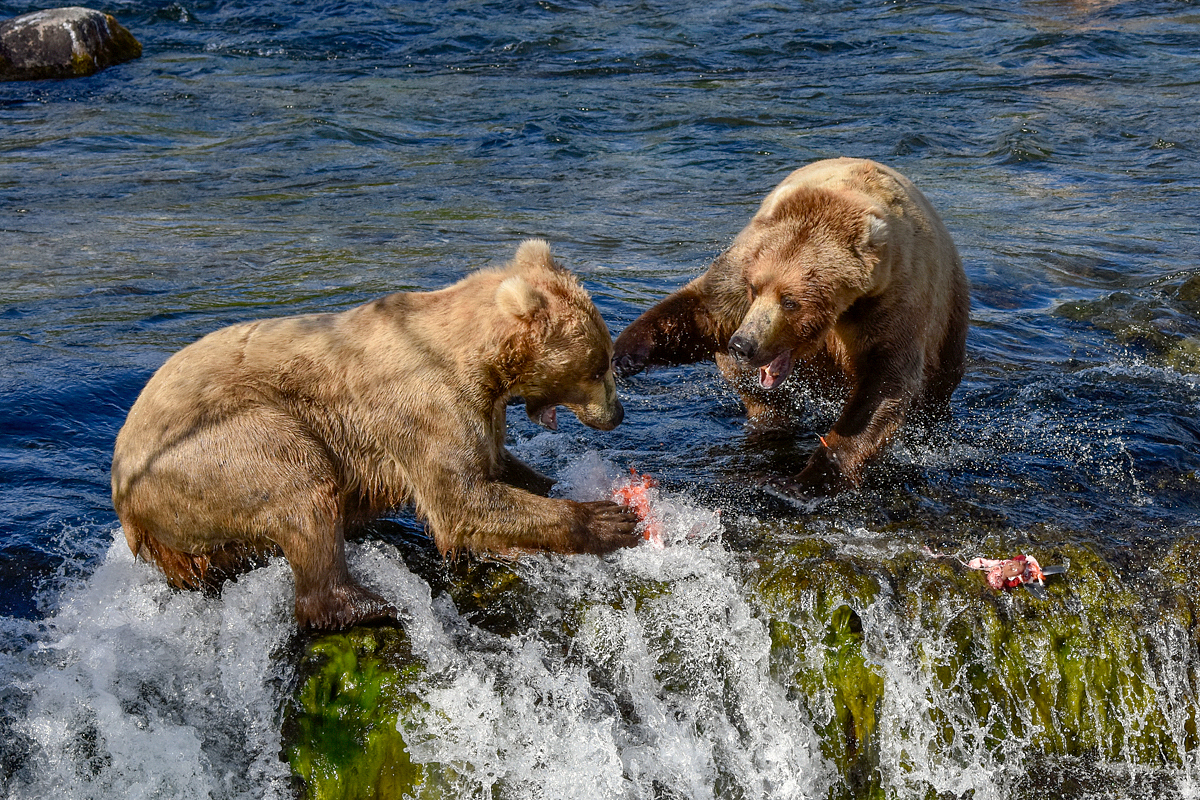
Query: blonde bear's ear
{"points": [[520, 298], [534, 254]]}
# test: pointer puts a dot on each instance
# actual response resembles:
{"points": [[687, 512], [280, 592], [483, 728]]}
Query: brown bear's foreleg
{"points": [[873, 413], [690, 325]]}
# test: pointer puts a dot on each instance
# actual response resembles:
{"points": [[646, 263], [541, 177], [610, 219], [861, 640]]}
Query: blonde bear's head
{"points": [[568, 358]]}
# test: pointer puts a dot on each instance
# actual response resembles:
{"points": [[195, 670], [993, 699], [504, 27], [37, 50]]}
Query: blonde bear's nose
{"points": [[616, 414]]}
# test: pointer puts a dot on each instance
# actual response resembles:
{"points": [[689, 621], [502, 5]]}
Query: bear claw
{"points": [[812, 483], [630, 362], [609, 526], [788, 490], [627, 365]]}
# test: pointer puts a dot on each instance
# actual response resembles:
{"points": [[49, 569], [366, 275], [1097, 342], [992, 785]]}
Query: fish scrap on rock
{"points": [[1020, 570]]}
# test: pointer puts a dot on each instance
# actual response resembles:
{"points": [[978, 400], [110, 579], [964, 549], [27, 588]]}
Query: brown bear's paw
{"points": [[341, 607], [790, 489], [631, 355], [633, 348], [821, 477], [603, 526]]}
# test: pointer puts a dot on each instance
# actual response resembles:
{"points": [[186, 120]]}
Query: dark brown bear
{"points": [[280, 433], [846, 277]]}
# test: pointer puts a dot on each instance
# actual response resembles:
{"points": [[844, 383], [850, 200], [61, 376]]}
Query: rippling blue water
{"points": [[268, 158]]}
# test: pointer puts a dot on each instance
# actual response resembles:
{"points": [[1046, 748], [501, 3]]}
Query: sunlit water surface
{"points": [[269, 158]]}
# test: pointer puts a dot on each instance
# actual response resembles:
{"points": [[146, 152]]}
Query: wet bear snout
{"points": [[742, 347], [618, 414]]}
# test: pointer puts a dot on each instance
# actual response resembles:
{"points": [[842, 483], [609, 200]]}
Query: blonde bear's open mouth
{"points": [[775, 373], [546, 416]]}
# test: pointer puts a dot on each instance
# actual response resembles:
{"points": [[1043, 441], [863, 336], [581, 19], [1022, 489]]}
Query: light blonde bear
{"points": [[281, 433]]}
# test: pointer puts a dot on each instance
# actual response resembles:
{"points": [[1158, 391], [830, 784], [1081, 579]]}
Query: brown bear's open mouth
{"points": [[775, 373]]}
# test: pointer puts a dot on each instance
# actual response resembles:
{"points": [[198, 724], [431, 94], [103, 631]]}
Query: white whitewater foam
{"points": [[134, 690]]}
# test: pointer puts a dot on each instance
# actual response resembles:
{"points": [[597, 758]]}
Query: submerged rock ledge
{"points": [[911, 671], [63, 43]]}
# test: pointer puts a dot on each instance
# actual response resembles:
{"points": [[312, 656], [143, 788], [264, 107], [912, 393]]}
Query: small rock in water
{"points": [[63, 43]]}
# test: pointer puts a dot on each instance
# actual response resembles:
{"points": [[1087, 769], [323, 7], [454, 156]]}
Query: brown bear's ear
{"points": [[873, 240], [875, 234], [520, 298]]}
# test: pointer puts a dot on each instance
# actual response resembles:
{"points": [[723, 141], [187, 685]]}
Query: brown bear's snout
{"points": [[742, 347], [763, 332], [753, 342]]}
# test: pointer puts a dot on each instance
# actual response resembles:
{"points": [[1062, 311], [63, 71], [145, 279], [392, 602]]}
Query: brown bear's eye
{"points": [[789, 304]]}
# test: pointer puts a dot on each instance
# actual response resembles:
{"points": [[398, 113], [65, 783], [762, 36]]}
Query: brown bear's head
{"points": [[568, 346], [805, 258]]}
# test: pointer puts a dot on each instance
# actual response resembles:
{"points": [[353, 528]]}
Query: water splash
{"points": [[608, 692], [131, 689]]}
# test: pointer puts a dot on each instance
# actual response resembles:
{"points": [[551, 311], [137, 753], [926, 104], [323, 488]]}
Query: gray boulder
{"points": [[62, 43]]}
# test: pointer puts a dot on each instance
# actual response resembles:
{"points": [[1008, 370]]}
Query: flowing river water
{"points": [[270, 158]]}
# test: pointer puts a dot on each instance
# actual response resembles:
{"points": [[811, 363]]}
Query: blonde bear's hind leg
{"points": [[221, 496], [327, 597]]}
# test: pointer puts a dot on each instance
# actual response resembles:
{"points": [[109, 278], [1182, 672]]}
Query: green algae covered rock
{"points": [[342, 730], [910, 670], [1007, 678], [813, 600], [359, 691]]}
